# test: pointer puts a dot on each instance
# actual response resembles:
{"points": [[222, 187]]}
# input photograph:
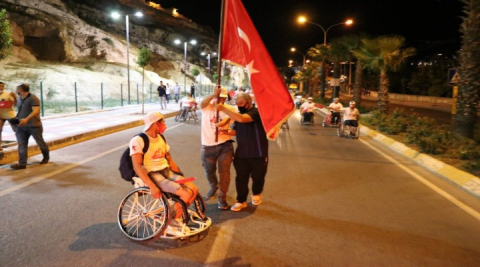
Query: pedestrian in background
{"points": [[8, 100], [251, 155], [168, 92], [162, 92], [216, 153], [192, 90], [176, 92], [28, 107]]}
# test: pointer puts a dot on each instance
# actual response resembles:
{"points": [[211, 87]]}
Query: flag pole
{"points": [[219, 68]]}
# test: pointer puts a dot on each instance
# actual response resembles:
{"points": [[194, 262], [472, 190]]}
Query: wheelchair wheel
{"points": [[340, 130], [201, 204], [179, 115], [142, 217]]}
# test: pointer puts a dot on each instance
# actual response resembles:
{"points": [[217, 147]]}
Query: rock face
{"points": [[81, 31]]}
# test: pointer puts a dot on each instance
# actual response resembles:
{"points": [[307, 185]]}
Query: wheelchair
{"points": [[307, 122], [144, 218], [344, 131], [190, 114], [327, 121]]}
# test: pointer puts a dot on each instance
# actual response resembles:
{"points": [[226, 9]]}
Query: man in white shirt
{"points": [[335, 107], [306, 109], [216, 153]]}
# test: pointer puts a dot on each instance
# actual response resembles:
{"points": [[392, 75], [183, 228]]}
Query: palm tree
{"points": [[338, 52], [319, 53], [353, 42], [469, 71], [383, 54]]}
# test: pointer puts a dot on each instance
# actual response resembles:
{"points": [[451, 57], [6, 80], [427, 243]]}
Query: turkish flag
{"points": [[243, 46]]}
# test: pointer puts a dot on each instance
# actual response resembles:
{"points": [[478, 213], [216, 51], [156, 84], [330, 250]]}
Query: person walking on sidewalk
{"points": [[162, 92], [176, 92], [216, 153], [251, 155], [168, 92], [29, 125], [8, 100], [192, 90]]}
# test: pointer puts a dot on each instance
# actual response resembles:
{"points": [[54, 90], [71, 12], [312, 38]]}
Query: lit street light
{"points": [[295, 50], [116, 15], [192, 42], [302, 20]]}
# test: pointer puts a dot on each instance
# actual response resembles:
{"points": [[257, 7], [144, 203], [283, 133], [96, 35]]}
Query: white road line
{"points": [[218, 251], [66, 168], [427, 183]]}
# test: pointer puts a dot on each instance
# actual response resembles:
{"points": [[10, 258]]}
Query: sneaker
{"points": [[211, 193], [44, 161], [222, 205], [177, 228], [257, 199], [18, 166], [238, 206]]}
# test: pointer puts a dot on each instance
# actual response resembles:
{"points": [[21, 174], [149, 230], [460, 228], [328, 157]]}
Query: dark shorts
{"points": [[352, 123]]}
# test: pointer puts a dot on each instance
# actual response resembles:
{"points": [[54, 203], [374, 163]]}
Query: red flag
{"points": [[243, 46]]}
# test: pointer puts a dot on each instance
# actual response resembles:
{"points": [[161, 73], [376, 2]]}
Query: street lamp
{"points": [[295, 50], [192, 42], [302, 20], [116, 15]]}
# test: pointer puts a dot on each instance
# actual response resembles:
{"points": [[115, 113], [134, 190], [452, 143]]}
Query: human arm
{"points": [[35, 112], [171, 163], [242, 118], [137, 160], [206, 101], [14, 96]]}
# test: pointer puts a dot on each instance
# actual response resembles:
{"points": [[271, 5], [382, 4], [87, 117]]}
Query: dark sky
{"points": [[431, 26]]}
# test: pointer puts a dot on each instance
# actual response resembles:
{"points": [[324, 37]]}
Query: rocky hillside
{"points": [[82, 36]]}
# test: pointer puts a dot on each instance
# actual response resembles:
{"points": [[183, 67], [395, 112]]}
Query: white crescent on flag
{"points": [[244, 36]]}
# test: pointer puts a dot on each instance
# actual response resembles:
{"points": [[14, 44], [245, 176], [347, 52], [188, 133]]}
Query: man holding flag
{"points": [[241, 45], [251, 155]]}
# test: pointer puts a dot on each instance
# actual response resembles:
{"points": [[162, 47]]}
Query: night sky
{"points": [[431, 26]]}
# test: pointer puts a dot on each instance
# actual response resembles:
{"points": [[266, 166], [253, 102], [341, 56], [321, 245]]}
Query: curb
{"points": [[466, 181], [10, 154]]}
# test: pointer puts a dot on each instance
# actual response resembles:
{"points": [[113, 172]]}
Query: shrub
{"points": [[429, 137]]}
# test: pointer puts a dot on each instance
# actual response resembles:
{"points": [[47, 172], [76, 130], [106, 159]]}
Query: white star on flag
{"points": [[251, 70]]}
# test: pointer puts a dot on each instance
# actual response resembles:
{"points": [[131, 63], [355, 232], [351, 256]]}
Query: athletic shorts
{"points": [[352, 123]]}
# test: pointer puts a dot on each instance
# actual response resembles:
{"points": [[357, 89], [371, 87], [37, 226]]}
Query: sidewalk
{"points": [[67, 129]]}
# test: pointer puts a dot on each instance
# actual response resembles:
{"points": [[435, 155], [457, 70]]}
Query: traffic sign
{"points": [[453, 77]]}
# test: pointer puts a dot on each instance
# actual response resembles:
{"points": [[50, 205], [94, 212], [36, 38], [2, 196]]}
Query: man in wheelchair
{"points": [[187, 104], [335, 107], [351, 116], [307, 109], [158, 171]]}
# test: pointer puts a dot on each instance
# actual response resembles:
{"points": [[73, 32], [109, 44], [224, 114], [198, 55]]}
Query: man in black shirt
{"points": [[162, 93], [251, 155]]}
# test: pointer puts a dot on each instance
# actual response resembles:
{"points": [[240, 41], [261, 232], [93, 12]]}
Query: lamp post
{"points": [[348, 22], [295, 50], [302, 19], [192, 42], [116, 15]]}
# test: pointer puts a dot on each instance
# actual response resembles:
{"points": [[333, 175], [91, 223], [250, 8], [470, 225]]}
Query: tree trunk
{"points": [[383, 101], [336, 79], [322, 80], [357, 87]]}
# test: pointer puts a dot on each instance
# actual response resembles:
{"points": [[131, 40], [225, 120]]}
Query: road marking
{"points": [[66, 168], [427, 183], [218, 251]]}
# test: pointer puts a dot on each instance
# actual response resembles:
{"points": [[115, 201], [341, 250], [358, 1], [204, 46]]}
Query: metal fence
{"points": [[77, 97]]}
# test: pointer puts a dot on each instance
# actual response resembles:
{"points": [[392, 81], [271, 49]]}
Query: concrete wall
{"points": [[417, 98]]}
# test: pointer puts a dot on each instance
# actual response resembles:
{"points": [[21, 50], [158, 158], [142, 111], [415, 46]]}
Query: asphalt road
{"points": [[327, 202]]}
